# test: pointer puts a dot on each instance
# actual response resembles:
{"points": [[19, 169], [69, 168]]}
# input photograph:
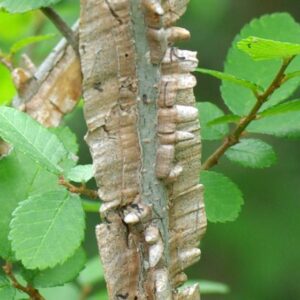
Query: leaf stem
{"points": [[6, 62], [234, 137], [82, 189], [62, 26], [29, 290]]}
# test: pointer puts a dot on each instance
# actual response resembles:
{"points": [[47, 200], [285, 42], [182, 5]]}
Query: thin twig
{"points": [[29, 290], [234, 137], [86, 290], [82, 189], [6, 63], [62, 26]]}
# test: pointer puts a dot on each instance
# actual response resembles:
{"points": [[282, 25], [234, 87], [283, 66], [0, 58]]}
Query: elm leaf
{"points": [[31, 138], [93, 272], [240, 100], [223, 199], [262, 49], [81, 173], [252, 153], [20, 177], [282, 108], [20, 6], [61, 274], [231, 78], [207, 113], [7, 291], [46, 229]]}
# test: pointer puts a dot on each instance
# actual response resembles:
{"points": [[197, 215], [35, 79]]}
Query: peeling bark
{"points": [[52, 91], [145, 143]]}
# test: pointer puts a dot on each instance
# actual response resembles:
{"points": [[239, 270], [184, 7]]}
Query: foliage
{"points": [[246, 84], [51, 222], [252, 153], [42, 222], [21, 6], [240, 100], [18, 129], [264, 49], [207, 112], [222, 204]]}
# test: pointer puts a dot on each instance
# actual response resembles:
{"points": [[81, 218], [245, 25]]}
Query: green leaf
{"points": [[7, 88], [7, 291], [20, 6], [282, 108], [68, 291], [93, 272], [69, 140], [223, 199], [264, 49], [61, 273], [224, 76], [209, 287], [207, 113], [28, 136], [212, 287], [19, 45], [101, 295], [279, 125], [239, 64], [224, 120], [81, 173], [20, 177], [292, 75], [67, 137], [252, 153], [46, 229]]}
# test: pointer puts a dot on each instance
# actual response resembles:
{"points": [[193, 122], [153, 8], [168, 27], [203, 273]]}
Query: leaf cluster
{"points": [[250, 71], [42, 223]]}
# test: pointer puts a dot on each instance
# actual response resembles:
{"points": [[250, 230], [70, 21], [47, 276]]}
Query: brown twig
{"points": [[82, 189], [86, 290], [62, 26], [29, 290], [234, 137]]}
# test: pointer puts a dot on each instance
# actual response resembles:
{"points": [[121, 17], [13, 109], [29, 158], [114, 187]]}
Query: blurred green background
{"points": [[258, 256]]}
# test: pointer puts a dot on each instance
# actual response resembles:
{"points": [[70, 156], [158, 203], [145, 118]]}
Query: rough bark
{"points": [[51, 91], [145, 143]]}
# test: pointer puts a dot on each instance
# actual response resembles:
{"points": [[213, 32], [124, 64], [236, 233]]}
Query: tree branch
{"points": [[62, 26], [234, 137], [29, 290], [82, 189]]}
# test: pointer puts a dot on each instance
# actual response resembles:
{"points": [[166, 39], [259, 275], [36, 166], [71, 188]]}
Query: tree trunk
{"points": [[145, 143]]}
